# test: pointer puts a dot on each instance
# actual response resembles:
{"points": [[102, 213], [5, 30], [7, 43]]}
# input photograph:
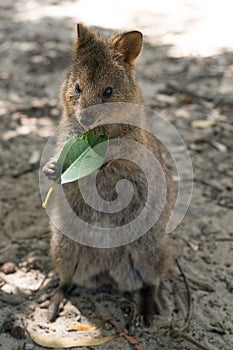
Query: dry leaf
{"points": [[69, 342], [219, 146], [193, 246], [202, 124], [86, 327], [225, 125]]}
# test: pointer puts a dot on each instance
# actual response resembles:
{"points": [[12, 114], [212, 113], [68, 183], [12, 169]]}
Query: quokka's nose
{"points": [[87, 118]]}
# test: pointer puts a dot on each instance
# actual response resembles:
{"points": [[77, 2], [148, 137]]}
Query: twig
{"points": [[179, 332], [224, 239], [189, 339], [225, 125], [131, 339], [206, 183], [26, 171], [25, 328], [189, 314], [228, 206], [13, 299]]}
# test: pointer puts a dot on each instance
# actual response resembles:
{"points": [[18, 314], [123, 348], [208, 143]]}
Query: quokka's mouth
{"points": [[86, 127]]}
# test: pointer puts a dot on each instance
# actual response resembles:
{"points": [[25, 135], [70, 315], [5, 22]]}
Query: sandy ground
{"points": [[185, 89]]}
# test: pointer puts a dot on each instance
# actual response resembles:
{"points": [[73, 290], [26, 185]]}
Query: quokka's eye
{"points": [[107, 92], [77, 89]]}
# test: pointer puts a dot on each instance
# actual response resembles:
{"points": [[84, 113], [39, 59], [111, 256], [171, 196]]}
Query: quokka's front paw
{"points": [[51, 170]]}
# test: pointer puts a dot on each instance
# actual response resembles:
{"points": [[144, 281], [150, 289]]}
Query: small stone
{"points": [[28, 346], [51, 53], [34, 157], [107, 326], [37, 59], [9, 267], [17, 332], [45, 304], [7, 324]]}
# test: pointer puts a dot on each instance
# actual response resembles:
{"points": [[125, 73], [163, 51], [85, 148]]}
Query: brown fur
{"points": [[97, 64]]}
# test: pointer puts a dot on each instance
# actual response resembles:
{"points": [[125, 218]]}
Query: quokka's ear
{"points": [[83, 36], [128, 45]]}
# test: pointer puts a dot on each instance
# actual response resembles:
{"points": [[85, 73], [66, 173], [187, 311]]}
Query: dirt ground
{"points": [[196, 95]]}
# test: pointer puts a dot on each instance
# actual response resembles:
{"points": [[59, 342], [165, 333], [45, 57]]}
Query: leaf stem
{"points": [[50, 191]]}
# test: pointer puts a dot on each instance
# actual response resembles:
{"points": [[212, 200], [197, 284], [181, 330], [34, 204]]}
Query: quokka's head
{"points": [[102, 70]]}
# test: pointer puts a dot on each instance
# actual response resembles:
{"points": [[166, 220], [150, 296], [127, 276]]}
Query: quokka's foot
{"points": [[147, 307], [57, 299]]}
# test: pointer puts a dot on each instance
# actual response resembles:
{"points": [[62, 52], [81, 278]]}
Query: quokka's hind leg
{"points": [[147, 304], [145, 308], [152, 266], [64, 253]]}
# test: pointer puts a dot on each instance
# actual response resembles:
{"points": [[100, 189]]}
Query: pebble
{"points": [[9, 267], [17, 332], [37, 59], [28, 346], [6, 326], [45, 304], [52, 53], [34, 157]]}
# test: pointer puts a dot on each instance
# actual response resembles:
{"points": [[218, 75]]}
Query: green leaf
{"points": [[80, 157]]}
